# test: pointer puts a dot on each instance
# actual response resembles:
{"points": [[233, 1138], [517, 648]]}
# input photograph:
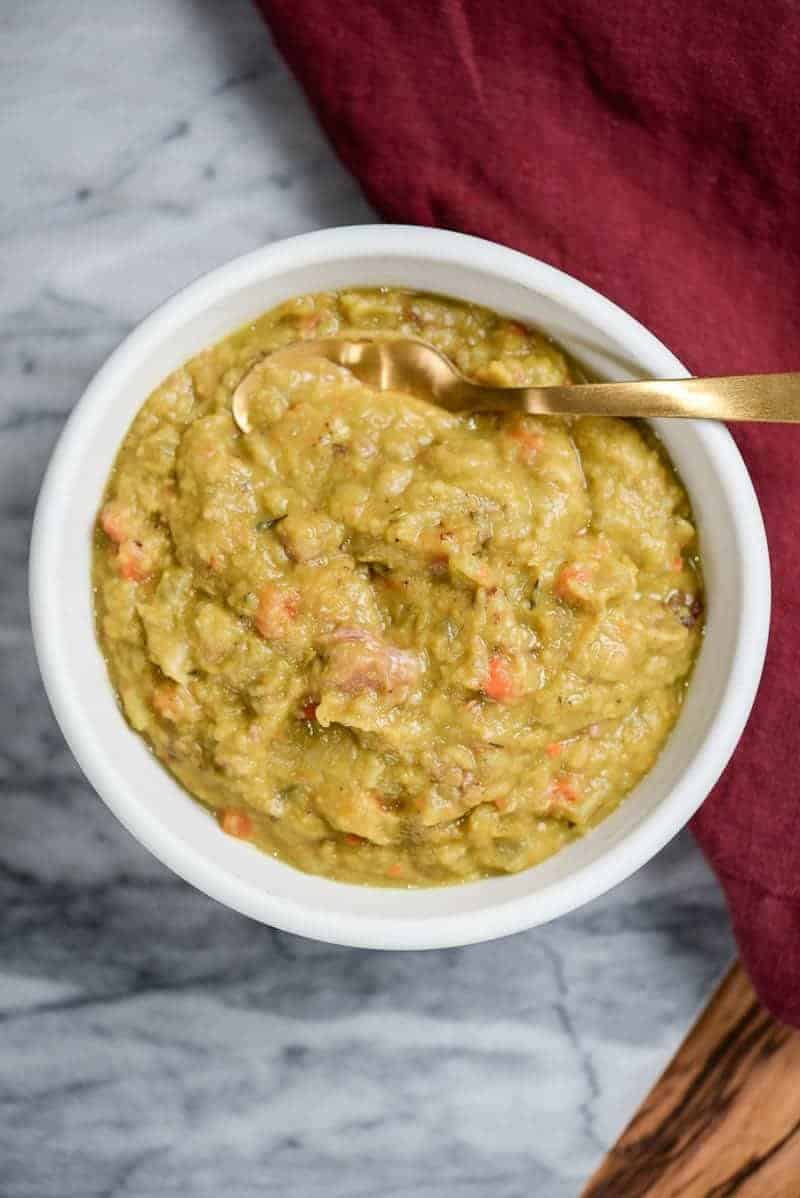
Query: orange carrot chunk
{"points": [[499, 684], [528, 441], [115, 522], [569, 582], [132, 561], [554, 749], [174, 702], [565, 788], [236, 823], [277, 610]]}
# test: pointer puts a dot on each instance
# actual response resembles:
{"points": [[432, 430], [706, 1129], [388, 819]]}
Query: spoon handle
{"points": [[762, 397]]}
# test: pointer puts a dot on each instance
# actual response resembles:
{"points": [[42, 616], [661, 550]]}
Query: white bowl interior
{"points": [[170, 823]]}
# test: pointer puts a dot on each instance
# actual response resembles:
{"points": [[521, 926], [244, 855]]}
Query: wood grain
{"points": [[724, 1120]]}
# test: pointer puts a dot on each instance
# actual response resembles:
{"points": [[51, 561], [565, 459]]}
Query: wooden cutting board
{"points": [[724, 1120]]}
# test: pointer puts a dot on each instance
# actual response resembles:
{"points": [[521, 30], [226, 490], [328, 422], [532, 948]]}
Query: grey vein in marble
{"points": [[153, 1043]]}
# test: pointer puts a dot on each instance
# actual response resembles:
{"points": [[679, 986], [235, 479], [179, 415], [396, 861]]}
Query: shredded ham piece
{"points": [[358, 660]]}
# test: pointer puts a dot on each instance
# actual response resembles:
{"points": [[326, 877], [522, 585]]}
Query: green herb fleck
{"points": [[269, 522]]}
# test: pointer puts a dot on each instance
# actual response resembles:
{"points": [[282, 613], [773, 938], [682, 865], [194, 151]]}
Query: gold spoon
{"points": [[404, 364]]}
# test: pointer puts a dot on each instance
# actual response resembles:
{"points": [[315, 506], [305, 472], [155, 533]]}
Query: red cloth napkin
{"points": [[653, 150]]}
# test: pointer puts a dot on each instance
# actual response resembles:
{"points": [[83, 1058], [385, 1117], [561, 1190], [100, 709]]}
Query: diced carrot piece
{"points": [[277, 610], [529, 442], [565, 788], [236, 823], [499, 684], [175, 703], [569, 580], [351, 838], [115, 522], [309, 710], [502, 803], [554, 749], [132, 561], [395, 871], [677, 564]]}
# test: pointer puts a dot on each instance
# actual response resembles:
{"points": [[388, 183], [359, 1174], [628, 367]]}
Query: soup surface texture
{"points": [[382, 642]]}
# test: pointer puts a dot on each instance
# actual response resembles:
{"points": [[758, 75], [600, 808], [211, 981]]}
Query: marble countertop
{"points": [[153, 1042]]}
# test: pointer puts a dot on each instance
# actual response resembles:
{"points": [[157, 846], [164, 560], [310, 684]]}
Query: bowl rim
{"points": [[358, 929]]}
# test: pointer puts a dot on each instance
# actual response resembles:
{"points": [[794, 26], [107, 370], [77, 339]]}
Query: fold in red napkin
{"points": [[653, 150]]}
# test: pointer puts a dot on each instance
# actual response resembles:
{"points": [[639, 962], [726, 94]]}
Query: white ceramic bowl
{"points": [[176, 829]]}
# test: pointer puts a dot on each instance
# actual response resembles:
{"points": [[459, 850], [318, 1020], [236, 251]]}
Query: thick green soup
{"points": [[382, 642]]}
